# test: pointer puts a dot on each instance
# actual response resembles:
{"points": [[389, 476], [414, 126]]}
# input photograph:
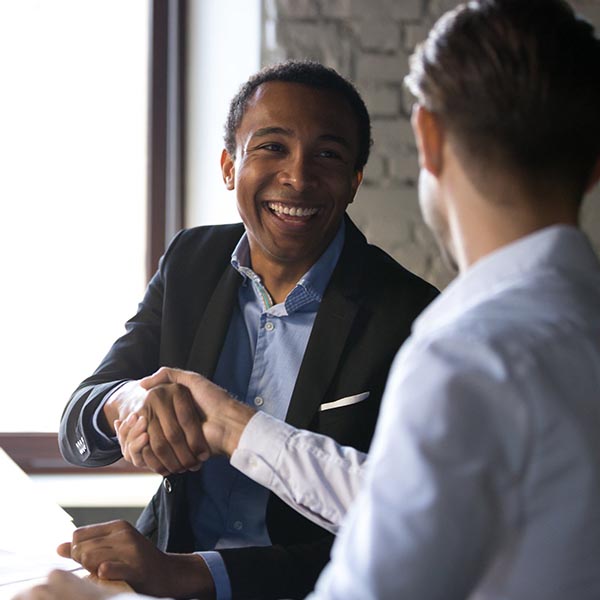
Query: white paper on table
{"points": [[31, 527]]}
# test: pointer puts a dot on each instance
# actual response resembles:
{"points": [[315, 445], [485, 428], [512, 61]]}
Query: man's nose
{"points": [[298, 172]]}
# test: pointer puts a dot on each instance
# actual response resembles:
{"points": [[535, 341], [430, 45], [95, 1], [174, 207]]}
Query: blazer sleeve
{"points": [[161, 333]]}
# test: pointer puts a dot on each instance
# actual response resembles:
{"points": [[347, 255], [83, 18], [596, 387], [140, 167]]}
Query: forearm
{"points": [[189, 577], [308, 471]]}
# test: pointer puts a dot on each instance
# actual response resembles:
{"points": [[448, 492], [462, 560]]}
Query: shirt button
{"points": [[269, 326], [258, 401], [238, 525], [167, 485]]}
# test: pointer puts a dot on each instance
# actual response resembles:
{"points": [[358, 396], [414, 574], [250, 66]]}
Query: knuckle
{"points": [[160, 446], [174, 435]]}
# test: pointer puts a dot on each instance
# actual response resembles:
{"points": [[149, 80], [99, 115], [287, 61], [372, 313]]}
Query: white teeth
{"points": [[294, 211]]}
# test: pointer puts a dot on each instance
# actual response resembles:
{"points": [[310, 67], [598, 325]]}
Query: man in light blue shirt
{"points": [[259, 365]]}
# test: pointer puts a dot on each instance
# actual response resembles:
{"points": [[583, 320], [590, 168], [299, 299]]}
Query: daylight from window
{"points": [[73, 120]]}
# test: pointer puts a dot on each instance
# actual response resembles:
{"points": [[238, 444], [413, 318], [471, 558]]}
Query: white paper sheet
{"points": [[31, 527]]}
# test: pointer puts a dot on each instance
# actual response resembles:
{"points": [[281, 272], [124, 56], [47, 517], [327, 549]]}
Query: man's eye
{"points": [[329, 154], [272, 147]]}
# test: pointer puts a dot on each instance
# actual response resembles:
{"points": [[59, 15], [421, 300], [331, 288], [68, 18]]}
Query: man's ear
{"points": [[228, 169], [429, 136], [594, 177], [356, 181]]}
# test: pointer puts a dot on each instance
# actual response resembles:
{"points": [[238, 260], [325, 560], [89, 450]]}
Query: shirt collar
{"points": [[557, 248], [311, 285]]}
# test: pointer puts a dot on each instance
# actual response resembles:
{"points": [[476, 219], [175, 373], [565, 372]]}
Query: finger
{"points": [[122, 429], [99, 530], [116, 570], [160, 446], [190, 421], [64, 550], [92, 556], [152, 462], [110, 541], [184, 432], [163, 375], [133, 437], [135, 448]]}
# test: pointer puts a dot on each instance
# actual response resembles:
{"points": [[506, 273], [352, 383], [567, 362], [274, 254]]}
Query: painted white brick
{"points": [[413, 35], [296, 9], [375, 170], [381, 101], [317, 41], [391, 9], [406, 9], [392, 137], [377, 34], [404, 167], [378, 68], [337, 9], [438, 7]]}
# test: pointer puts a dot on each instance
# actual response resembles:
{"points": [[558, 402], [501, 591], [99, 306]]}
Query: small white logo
{"points": [[81, 446]]}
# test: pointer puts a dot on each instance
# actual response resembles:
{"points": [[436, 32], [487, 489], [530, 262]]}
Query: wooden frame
{"points": [[166, 127], [38, 453]]}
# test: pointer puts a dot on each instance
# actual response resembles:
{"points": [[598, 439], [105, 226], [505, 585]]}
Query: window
{"points": [[224, 41], [73, 156]]}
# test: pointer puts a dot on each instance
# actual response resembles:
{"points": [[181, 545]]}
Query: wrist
{"points": [[190, 577], [234, 417], [121, 403]]}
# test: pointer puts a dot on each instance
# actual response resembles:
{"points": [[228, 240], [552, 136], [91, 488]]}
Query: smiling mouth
{"points": [[281, 209]]}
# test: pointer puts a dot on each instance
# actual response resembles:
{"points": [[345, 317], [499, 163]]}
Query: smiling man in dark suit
{"points": [[293, 312]]}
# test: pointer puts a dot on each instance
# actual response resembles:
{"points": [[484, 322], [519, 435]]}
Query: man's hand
{"points": [[224, 418], [168, 437], [117, 551], [62, 585]]}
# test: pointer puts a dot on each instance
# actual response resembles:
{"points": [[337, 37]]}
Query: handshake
{"points": [[174, 420]]}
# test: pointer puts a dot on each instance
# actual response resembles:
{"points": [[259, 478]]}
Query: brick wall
{"points": [[370, 41]]}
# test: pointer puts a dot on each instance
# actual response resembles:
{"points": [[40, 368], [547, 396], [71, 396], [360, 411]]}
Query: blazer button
{"points": [[167, 485]]}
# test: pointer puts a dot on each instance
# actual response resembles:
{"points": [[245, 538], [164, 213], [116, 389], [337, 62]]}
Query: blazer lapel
{"points": [[211, 332], [330, 332]]}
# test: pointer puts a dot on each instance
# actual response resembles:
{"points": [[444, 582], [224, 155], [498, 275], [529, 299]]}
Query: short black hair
{"points": [[516, 81], [310, 73]]}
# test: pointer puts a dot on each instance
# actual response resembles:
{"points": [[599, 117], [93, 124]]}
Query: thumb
{"points": [[64, 550], [163, 375]]}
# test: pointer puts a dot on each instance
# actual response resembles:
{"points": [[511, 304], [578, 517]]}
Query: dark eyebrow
{"points": [[264, 131], [338, 139]]}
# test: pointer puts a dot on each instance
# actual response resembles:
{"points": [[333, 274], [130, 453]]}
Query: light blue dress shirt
{"points": [[259, 364]]}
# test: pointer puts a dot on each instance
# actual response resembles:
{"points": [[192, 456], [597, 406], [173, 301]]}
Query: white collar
{"points": [[557, 248]]}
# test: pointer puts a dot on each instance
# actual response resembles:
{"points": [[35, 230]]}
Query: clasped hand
{"points": [[179, 422]]}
